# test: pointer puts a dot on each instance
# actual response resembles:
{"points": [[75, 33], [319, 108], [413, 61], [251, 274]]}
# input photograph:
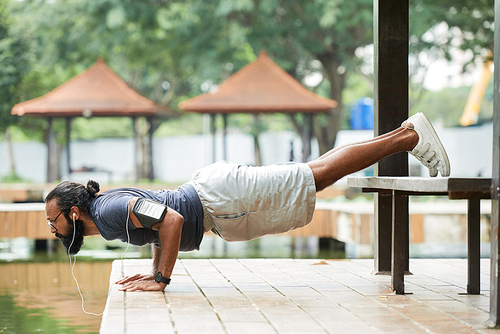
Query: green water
{"points": [[15, 319]]}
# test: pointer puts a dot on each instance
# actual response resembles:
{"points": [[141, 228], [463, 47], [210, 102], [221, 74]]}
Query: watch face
{"points": [[158, 277]]}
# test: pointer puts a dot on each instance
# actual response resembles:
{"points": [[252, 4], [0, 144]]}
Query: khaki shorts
{"points": [[244, 203]]}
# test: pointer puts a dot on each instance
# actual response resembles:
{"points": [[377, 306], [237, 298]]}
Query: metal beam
{"points": [[400, 227], [391, 29], [473, 247]]}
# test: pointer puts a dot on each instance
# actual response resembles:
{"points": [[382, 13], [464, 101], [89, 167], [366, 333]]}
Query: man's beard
{"points": [[74, 238]]}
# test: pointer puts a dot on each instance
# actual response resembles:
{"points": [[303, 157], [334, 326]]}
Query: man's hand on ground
{"points": [[144, 285], [136, 277]]}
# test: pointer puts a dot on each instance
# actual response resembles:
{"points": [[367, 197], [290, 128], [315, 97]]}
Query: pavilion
{"points": [[260, 87], [96, 92]]}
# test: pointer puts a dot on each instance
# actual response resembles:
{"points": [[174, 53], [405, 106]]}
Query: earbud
{"points": [[74, 214]]}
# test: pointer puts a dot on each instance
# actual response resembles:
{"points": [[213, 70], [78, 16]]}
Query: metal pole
{"points": [[391, 29], [473, 247]]}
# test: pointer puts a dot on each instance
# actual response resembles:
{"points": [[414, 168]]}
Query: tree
{"points": [[438, 29], [15, 56], [181, 45], [298, 34]]}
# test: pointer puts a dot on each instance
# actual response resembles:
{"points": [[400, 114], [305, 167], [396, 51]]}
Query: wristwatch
{"points": [[159, 278]]}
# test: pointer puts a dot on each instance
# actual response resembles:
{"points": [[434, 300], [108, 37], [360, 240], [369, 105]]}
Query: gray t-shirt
{"points": [[109, 212]]}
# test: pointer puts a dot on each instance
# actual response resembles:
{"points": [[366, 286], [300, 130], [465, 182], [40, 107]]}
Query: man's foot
{"points": [[429, 150], [407, 124]]}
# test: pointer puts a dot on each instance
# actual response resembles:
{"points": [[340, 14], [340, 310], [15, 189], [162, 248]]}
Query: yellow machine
{"points": [[473, 105]]}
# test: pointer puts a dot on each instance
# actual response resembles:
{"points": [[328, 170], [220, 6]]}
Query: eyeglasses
{"points": [[51, 222]]}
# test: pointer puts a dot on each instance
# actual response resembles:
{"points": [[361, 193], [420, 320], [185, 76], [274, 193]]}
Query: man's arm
{"points": [[150, 276], [156, 260], [169, 229]]}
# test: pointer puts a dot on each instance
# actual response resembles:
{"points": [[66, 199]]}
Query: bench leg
{"points": [[400, 236], [473, 247], [383, 232]]}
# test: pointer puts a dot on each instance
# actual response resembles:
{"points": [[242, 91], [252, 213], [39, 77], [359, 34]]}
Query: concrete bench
{"points": [[399, 188]]}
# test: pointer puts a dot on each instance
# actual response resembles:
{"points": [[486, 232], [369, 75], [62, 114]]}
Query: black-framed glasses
{"points": [[51, 222]]}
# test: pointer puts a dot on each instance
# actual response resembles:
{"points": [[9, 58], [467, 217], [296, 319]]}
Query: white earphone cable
{"points": [[72, 267], [72, 263]]}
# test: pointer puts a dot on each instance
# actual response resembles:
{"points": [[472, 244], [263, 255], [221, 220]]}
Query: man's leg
{"points": [[416, 136], [349, 159], [333, 150]]}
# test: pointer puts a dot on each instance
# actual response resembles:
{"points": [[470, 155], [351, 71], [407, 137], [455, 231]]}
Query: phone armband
{"points": [[149, 212]]}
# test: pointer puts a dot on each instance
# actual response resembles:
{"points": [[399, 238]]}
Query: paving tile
{"points": [[331, 314], [150, 328], [244, 314], [391, 322], [294, 322], [200, 322], [153, 315], [351, 327], [249, 328], [447, 326], [253, 286]]}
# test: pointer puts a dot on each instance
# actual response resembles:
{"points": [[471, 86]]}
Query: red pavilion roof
{"points": [[261, 86], [98, 92]]}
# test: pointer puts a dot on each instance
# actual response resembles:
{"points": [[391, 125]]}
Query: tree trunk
{"points": [[10, 153], [327, 135]]}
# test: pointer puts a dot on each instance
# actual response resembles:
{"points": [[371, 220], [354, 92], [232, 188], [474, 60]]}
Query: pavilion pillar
{"points": [[224, 137], [68, 141], [212, 130], [391, 30], [137, 167], [52, 168], [494, 319], [150, 148]]}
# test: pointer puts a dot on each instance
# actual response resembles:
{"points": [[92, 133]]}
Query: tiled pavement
{"points": [[299, 296]]}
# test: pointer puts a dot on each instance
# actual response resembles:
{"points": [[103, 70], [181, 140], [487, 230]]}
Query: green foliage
{"points": [[189, 43], [439, 28], [11, 178], [14, 64], [101, 127], [187, 124], [447, 105]]}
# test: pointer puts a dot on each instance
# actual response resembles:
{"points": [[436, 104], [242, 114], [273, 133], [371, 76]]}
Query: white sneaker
{"points": [[429, 150], [405, 123]]}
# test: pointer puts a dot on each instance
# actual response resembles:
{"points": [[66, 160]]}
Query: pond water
{"points": [[42, 297], [39, 295]]}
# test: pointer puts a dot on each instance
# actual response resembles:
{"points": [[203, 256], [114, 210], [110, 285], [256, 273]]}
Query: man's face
{"points": [[56, 219], [64, 228]]}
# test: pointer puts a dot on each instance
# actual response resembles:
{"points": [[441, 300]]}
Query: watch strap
{"points": [[159, 278]]}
